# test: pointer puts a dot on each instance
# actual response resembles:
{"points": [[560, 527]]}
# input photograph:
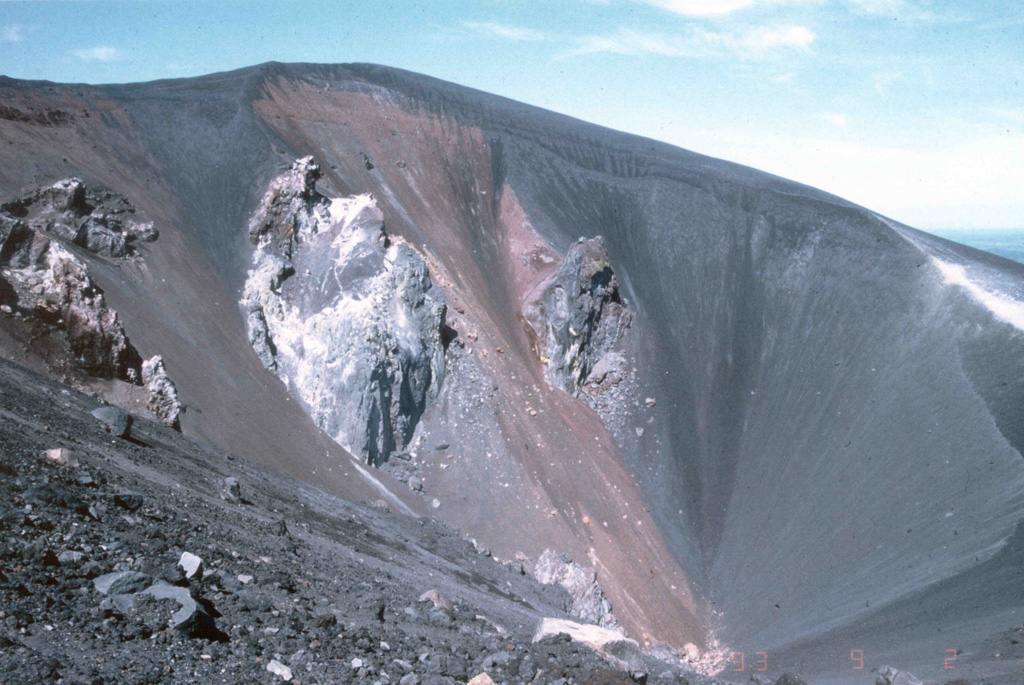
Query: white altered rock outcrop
{"points": [[45, 236], [348, 318], [588, 601], [163, 395], [611, 644]]}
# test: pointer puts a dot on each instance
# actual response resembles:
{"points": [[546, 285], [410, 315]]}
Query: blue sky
{"points": [[914, 108]]}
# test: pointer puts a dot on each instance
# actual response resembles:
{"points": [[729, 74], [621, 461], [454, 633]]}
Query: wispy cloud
{"points": [[905, 10], [697, 42], [704, 8], [506, 31], [12, 34], [836, 119], [1015, 116], [884, 80], [100, 53]]}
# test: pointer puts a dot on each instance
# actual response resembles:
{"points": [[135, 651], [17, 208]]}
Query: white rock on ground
{"points": [[190, 563], [279, 669], [611, 644]]}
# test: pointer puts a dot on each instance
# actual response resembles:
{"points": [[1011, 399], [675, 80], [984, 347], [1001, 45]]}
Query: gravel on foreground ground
{"points": [[157, 559]]}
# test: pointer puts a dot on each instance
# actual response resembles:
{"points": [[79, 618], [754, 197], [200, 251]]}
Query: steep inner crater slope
{"points": [[759, 413]]}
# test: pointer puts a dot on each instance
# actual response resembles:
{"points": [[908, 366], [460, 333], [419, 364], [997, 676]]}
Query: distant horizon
{"points": [[911, 108]]}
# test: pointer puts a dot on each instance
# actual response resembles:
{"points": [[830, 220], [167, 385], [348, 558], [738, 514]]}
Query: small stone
{"points": [[128, 501], [437, 599], [69, 557], [481, 679], [692, 652], [116, 421], [435, 503], [244, 578], [190, 564], [415, 484], [62, 456], [279, 669], [357, 663], [650, 401]]}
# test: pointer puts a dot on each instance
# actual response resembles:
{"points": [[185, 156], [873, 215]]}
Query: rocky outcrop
{"points": [[347, 317], [583, 315], [58, 293], [588, 601], [101, 222], [44, 281], [163, 395]]}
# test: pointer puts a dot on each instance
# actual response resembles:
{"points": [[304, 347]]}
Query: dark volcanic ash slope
{"points": [[790, 423]]}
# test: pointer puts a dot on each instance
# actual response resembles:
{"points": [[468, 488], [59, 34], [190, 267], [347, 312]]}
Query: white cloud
{"points": [[884, 80], [697, 42], [705, 8], [12, 34], [904, 10], [836, 119], [515, 33], [1005, 114], [100, 53], [973, 182]]}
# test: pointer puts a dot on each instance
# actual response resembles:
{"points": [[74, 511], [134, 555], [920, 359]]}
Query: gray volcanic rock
{"points": [[190, 618], [123, 582], [584, 315], [93, 219], [588, 601], [163, 395], [97, 237], [115, 420], [328, 290]]}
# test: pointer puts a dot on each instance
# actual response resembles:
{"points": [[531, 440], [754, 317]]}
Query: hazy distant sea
{"points": [[1005, 242]]}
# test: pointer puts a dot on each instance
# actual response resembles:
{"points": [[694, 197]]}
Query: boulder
{"points": [[121, 583], [190, 619], [116, 421]]}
